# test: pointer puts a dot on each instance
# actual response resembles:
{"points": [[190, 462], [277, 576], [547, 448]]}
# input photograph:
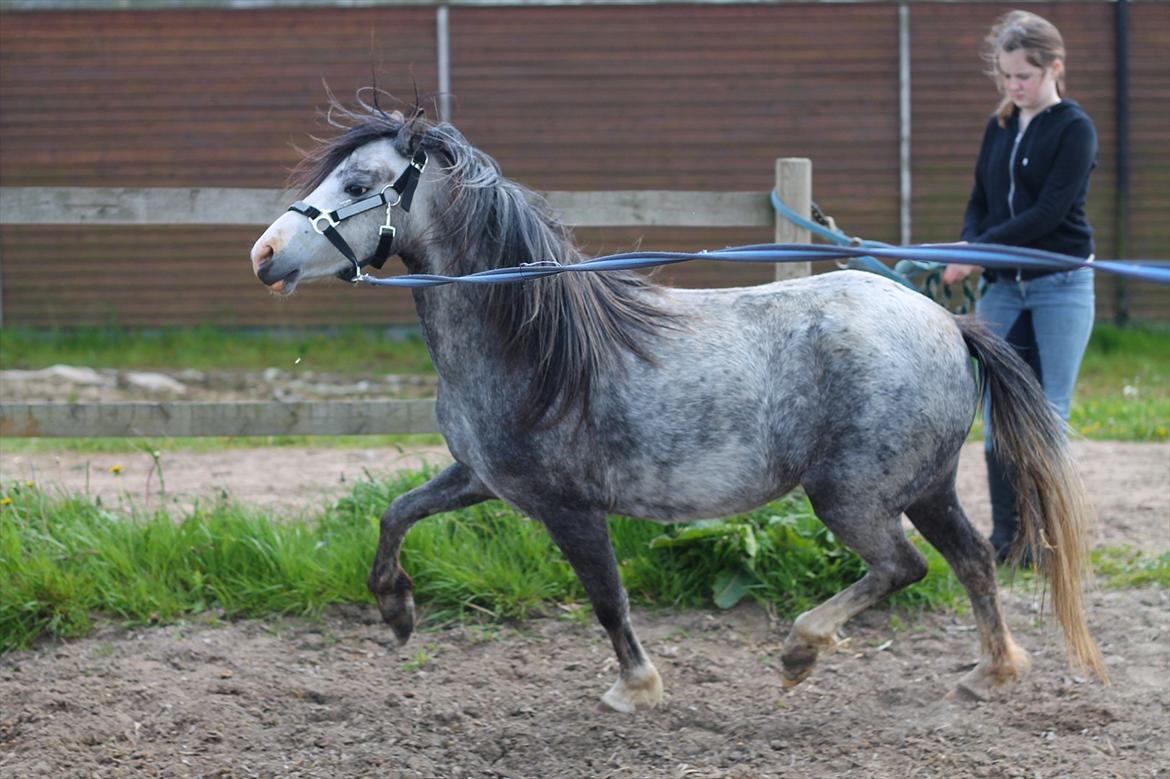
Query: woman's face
{"points": [[1029, 87]]}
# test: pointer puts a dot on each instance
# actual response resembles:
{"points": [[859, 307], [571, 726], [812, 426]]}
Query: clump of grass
{"points": [[66, 559], [779, 554], [1123, 568], [1123, 390]]}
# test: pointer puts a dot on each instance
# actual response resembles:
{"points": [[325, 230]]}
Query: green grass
{"points": [[1124, 568], [1123, 390], [350, 350], [66, 560]]}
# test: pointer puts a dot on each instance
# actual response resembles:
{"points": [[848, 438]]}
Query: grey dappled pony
{"points": [[582, 395]]}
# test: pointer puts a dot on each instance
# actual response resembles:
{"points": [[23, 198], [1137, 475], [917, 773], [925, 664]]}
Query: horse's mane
{"points": [[569, 329]]}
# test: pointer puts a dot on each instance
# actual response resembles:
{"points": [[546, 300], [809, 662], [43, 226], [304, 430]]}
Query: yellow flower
{"points": [[5, 501], [115, 469]]}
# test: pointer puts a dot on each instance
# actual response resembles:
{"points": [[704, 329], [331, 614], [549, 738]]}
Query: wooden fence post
{"points": [[794, 188]]}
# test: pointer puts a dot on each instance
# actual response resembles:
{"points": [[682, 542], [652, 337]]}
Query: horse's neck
{"points": [[456, 329]]}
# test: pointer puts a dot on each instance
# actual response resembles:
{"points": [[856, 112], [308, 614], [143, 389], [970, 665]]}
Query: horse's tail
{"points": [[1053, 505]]}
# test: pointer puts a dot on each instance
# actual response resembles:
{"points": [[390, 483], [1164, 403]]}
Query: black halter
{"points": [[403, 187]]}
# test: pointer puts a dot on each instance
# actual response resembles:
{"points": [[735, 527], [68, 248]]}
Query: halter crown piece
{"points": [[326, 222]]}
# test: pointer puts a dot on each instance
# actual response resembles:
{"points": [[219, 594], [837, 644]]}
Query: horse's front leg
{"points": [[584, 539], [455, 488]]}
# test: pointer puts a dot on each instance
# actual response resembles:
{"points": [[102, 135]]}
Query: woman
{"points": [[1031, 180]]}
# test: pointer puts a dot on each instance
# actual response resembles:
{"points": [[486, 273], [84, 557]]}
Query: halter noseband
{"points": [[326, 222]]}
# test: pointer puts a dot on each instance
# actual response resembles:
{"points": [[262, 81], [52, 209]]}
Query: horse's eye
{"points": [[356, 190]]}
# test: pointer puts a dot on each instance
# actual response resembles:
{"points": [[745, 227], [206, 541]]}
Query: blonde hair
{"points": [[1037, 37]]}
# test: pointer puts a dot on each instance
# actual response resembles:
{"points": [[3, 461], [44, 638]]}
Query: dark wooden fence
{"points": [[570, 97]]}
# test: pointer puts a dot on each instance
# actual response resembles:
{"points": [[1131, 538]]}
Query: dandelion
{"points": [[115, 469], [5, 501]]}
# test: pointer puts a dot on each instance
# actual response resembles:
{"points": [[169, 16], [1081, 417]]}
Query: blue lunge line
{"points": [[985, 254]]}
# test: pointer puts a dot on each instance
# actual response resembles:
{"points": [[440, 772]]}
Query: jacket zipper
{"points": [[1012, 173]]}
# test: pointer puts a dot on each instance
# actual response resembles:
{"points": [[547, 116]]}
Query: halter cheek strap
{"points": [[326, 222]]}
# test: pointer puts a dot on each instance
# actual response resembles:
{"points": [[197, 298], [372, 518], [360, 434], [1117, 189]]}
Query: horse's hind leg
{"points": [[892, 562], [455, 488], [584, 540], [942, 522]]}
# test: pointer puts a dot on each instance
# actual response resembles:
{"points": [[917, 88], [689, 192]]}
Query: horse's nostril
{"points": [[261, 255]]}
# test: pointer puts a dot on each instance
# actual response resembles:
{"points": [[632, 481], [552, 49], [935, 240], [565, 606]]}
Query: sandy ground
{"points": [[338, 697]]}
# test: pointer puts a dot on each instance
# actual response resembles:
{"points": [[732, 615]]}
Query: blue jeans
{"points": [[1059, 309]]}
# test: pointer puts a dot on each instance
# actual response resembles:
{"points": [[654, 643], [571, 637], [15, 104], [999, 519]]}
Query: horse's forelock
{"points": [[357, 127]]}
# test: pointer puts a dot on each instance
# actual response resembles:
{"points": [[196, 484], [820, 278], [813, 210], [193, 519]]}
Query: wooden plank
{"points": [[219, 206], [69, 420], [661, 208], [140, 205]]}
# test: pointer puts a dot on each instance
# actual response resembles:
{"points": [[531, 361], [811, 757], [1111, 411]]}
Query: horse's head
{"points": [[366, 189]]}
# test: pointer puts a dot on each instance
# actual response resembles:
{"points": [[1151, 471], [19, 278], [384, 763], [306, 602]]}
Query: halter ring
{"points": [[328, 218], [391, 204]]}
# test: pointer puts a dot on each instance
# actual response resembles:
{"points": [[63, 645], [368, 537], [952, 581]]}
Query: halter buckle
{"points": [[388, 228], [326, 218]]}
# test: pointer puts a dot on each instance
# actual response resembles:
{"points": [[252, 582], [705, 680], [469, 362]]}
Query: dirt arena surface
{"points": [[339, 698]]}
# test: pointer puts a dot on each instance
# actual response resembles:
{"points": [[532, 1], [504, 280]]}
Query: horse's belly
{"points": [[686, 511], [712, 488]]}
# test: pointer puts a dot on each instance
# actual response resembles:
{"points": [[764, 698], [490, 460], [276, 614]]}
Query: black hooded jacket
{"points": [[1046, 182]]}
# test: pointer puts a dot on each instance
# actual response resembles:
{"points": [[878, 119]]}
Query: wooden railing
{"points": [[142, 206]]}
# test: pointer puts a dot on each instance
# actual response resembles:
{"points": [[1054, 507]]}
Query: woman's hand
{"points": [[956, 273]]}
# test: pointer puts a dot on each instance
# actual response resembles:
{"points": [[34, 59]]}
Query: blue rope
{"points": [[902, 271], [985, 254]]}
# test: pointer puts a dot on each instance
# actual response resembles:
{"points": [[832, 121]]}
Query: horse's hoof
{"points": [[790, 678], [963, 693], [401, 619], [798, 664], [402, 632], [987, 681], [642, 689]]}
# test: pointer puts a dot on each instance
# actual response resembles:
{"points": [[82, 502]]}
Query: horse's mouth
{"points": [[283, 285]]}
